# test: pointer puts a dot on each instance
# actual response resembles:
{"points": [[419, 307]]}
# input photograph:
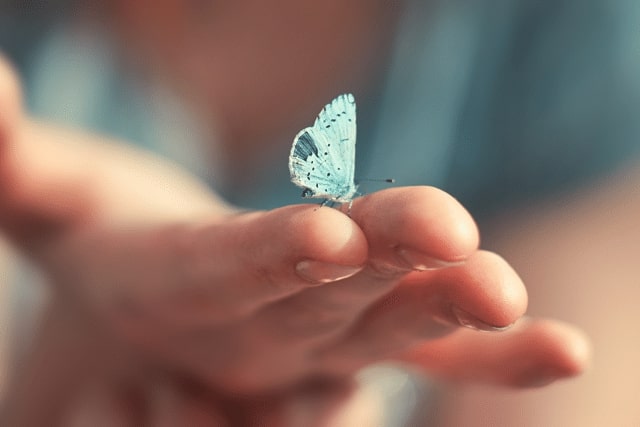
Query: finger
{"points": [[532, 353], [215, 272], [420, 228], [413, 228], [485, 294]]}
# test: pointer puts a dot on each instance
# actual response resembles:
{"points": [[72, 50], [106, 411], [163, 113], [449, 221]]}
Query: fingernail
{"points": [[422, 262], [469, 321], [323, 272]]}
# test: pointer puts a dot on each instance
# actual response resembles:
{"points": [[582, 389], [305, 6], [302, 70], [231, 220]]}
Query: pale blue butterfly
{"points": [[323, 156]]}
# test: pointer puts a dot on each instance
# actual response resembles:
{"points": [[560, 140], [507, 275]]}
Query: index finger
{"points": [[211, 272]]}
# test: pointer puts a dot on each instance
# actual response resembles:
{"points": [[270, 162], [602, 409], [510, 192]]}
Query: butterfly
{"points": [[323, 156]]}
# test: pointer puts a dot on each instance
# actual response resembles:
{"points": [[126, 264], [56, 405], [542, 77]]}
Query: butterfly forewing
{"points": [[322, 158]]}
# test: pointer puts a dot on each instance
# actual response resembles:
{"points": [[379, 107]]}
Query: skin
{"points": [[177, 306], [581, 253]]}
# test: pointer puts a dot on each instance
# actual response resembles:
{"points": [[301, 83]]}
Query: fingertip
{"points": [[424, 221], [330, 236], [570, 346], [543, 351], [485, 293], [580, 352], [322, 244], [507, 293], [452, 228]]}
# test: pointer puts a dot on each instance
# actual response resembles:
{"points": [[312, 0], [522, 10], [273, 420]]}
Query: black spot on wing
{"points": [[305, 147]]}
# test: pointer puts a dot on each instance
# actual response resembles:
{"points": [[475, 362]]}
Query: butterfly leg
{"points": [[325, 202]]}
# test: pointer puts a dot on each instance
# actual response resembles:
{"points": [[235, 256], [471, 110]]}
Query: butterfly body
{"points": [[322, 159]]}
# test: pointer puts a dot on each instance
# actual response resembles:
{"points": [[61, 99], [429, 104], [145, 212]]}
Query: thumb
{"points": [[10, 101], [53, 180], [32, 203]]}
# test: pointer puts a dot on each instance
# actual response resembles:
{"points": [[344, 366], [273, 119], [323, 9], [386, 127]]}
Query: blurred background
{"points": [[508, 105], [495, 102]]}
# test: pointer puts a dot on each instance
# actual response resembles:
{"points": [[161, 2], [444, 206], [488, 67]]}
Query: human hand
{"points": [[258, 303]]}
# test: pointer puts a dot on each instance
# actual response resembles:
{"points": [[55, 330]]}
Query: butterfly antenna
{"points": [[389, 180]]}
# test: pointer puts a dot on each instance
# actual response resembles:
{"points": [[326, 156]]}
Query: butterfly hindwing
{"points": [[322, 158]]}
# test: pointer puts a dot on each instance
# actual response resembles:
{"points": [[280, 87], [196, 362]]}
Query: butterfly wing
{"points": [[322, 159]]}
